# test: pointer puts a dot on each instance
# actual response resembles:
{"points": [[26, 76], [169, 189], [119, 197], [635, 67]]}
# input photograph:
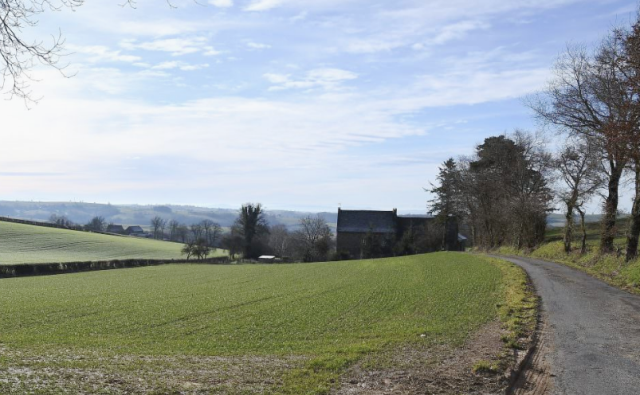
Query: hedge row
{"points": [[40, 269]]}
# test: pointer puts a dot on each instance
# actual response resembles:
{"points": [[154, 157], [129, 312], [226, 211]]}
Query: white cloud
{"points": [[331, 101], [210, 51], [222, 3], [255, 45], [264, 5], [458, 30], [101, 53], [175, 46], [179, 65], [326, 78]]}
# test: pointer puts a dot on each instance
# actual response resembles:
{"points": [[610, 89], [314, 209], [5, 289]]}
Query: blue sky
{"points": [[300, 105]]}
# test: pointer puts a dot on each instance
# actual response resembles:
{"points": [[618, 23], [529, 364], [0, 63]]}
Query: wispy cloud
{"points": [[255, 45], [326, 78], [179, 65], [222, 3], [100, 53], [175, 46], [298, 102]]}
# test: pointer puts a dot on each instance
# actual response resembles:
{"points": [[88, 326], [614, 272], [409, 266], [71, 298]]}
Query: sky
{"points": [[300, 105]]}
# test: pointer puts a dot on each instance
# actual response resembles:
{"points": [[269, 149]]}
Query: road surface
{"points": [[593, 331]]}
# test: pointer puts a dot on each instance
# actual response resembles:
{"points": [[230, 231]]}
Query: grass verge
{"points": [[609, 268]]}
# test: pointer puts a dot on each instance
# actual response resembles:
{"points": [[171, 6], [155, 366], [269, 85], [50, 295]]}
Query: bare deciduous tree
{"points": [[60, 220], [173, 229], [157, 227], [280, 240], [196, 231], [97, 224], [182, 233], [212, 231], [580, 171], [313, 240], [631, 66], [18, 54], [590, 96]]}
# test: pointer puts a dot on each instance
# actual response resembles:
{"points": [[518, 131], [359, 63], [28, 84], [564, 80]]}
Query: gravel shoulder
{"points": [[594, 329]]}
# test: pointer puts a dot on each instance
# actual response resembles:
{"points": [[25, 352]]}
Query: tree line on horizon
{"points": [[505, 190]]}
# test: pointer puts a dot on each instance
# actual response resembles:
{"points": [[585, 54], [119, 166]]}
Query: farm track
{"points": [[594, 329]]}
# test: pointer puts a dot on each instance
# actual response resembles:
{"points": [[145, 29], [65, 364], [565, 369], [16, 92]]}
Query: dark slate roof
{"points": [[362, 221], [115, 228], [416, 216], [135, 229]]}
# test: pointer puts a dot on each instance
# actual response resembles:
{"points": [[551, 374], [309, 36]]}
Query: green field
{"points": [[36, 244], [299, 325]]}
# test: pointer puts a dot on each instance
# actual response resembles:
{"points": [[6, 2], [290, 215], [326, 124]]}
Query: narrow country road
{"points": [[593, 330]]}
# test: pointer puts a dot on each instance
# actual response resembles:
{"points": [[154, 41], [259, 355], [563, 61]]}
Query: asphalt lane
{"points": [[594, 329]]}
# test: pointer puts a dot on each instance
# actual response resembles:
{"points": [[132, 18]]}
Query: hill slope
{"points": [[35, 244], [238, 328]]}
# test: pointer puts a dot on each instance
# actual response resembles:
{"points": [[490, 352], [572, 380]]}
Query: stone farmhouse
{"points": [[353, 226]]}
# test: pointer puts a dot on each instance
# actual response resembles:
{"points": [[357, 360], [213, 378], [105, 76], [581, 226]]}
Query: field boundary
{"points": [[43, 269]]}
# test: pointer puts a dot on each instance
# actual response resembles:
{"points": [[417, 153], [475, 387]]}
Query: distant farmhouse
{"points": [[135, 230], [118, 229], [354, 225]]}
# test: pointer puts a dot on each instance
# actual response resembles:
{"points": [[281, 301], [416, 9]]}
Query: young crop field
{"points": [[35, 244], [235, 328]]}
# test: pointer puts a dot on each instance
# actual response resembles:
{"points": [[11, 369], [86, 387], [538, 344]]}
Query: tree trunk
{"points": [[611, 210], [568, 229], [583, 227], [634, 231]]}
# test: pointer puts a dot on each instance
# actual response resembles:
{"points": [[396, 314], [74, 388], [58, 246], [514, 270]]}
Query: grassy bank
{"points": [[256, 328], [35, 244], [610, 268]]}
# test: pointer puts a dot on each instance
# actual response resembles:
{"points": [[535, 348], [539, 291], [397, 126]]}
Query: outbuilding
{"points": [[267, 259]]}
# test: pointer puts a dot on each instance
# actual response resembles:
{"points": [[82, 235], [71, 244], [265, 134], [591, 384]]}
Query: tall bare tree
{"points": [[313, 240], [18, 54], [631, 66], [280, 240], [97, 224], [173, 230], [212, 231], [589, 96], [579, 167], [157, 227], [196, 231], [182, 233]]}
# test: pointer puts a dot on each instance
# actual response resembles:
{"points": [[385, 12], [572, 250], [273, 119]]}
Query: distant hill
{"points": [[557, 220], [132, 214], [141, 214]]}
